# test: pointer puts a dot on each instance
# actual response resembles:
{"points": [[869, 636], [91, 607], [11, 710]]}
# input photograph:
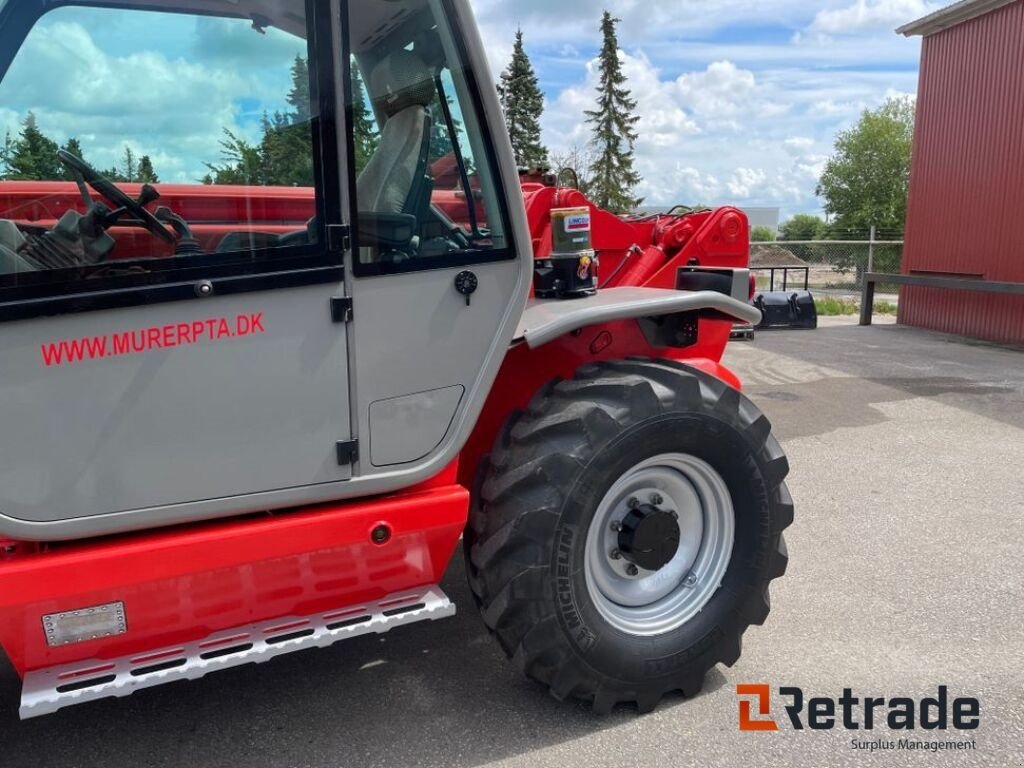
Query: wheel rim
{"points": [[656, 602]]}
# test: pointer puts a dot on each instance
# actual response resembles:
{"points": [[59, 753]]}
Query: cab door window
{"points": [[427, 188], [139, 143]]}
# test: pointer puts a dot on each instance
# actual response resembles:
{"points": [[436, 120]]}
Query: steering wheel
{"points": [[86, 174]]}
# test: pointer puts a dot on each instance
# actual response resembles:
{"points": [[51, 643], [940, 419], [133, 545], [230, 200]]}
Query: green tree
{"points": [[286, 152], [130, 168], [33, 156], [6, 153], [803, 227], [613, 176], [523, 104], [364, 127], [74, 147], [298, 96], [865, 182], [283, 156], [146, 172], [762, 235], [241, 163]]}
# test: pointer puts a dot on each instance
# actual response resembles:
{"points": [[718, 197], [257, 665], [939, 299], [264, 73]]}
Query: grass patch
{"points": [[832, 307], [829, 307]]}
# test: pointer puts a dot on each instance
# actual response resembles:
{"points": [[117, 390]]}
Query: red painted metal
{"points": [[526, 370], [186, 583], [967, 177]]}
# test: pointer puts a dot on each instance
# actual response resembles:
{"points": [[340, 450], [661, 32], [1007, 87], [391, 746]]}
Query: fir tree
{"points": [[34, 155], [242, 163], [298, 96], [614, 130], [74, 147], [523, 104], [6, 153], [146, 173], [364, 128], [130, 168]]}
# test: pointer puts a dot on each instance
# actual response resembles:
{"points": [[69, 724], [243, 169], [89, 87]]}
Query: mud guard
{"points": [[545, 321]]}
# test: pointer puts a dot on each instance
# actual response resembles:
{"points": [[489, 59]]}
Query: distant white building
{"points": [[759, 217]]}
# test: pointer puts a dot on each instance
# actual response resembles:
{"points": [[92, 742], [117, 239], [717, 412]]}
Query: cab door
{"points": [[439, 279], [145, 382]]}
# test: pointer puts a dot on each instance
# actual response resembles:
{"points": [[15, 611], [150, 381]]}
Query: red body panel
{"points": [[967, 177], [213, 211], [185, 583]]}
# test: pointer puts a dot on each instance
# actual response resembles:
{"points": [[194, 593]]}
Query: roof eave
{"points": [[951, 16]]}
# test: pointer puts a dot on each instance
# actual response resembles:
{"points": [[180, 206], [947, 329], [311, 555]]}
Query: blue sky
{"points": [[740, 100], [164, 84]]}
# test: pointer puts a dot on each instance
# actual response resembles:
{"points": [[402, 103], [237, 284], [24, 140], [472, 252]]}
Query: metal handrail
{"points": [[867, 304]]}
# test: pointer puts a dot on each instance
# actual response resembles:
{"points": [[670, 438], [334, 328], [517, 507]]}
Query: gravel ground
{"points": [[906, 574]]}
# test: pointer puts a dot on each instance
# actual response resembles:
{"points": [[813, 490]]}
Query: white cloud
{"points": [[870, 15], [797, 145], [175, 110], [739, 103], [745, 180]]}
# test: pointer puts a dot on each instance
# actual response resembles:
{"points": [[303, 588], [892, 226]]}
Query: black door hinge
{"points": [[348, 452], [339, 238], [341, 309]]}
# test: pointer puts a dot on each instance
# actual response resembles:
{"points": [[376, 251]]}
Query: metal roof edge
{"points": [[951, 16]]}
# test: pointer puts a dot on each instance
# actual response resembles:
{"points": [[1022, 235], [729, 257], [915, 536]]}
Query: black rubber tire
{"points": [[538, 492]]}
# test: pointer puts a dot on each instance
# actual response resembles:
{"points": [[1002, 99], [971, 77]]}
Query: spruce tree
{"points": [[74, 147], [34, 155], [298, 96], [6, 153], [364, 128], [613, 176], [130, 166], [523, 104], [146, 172]]}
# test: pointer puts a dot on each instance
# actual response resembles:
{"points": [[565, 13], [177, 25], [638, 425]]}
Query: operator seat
{"points": [[396, 179]]}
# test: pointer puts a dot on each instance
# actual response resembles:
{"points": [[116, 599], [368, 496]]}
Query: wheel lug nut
{"points": [[633, 503], [656, 499], [632, 570], [616, 555], [691, 580], [616, 526]]}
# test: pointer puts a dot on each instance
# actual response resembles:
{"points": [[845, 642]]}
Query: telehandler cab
{"points": [[253, 408]]}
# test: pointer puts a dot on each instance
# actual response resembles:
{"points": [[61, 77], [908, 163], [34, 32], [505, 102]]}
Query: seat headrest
{"points": [[400, 81]]}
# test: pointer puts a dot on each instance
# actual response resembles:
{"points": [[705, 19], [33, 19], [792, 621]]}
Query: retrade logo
{"points": [[823, 713], [762, 697]]}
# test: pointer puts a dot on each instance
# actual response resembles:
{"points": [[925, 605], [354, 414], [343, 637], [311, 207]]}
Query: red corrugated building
{"points": [[966, 208]]}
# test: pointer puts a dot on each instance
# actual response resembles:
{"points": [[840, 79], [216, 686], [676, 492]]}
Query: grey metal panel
{"points": [[547, 320], [199, 421], [414, 332], [505, 286], [406, 429]]}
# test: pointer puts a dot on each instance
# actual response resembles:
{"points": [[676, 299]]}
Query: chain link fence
{"points": [[834, 267]]}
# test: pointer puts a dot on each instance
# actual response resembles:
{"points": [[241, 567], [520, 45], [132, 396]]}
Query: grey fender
{"points": [[546, 320]]}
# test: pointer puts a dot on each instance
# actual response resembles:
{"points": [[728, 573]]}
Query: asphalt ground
{"points": [[907, 450]]}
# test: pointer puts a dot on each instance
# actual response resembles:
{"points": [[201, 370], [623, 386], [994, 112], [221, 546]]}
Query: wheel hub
{"points": [[659, 544], [649, 537]]}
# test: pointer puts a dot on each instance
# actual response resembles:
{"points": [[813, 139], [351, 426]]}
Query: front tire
{"points": [[579, 597]]}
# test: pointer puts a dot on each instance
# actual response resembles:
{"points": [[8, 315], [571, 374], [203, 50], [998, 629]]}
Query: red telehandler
{"points": [[256, 415]]}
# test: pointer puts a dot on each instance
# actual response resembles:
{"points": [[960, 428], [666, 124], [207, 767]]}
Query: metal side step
{"points": [[47, 690]]}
